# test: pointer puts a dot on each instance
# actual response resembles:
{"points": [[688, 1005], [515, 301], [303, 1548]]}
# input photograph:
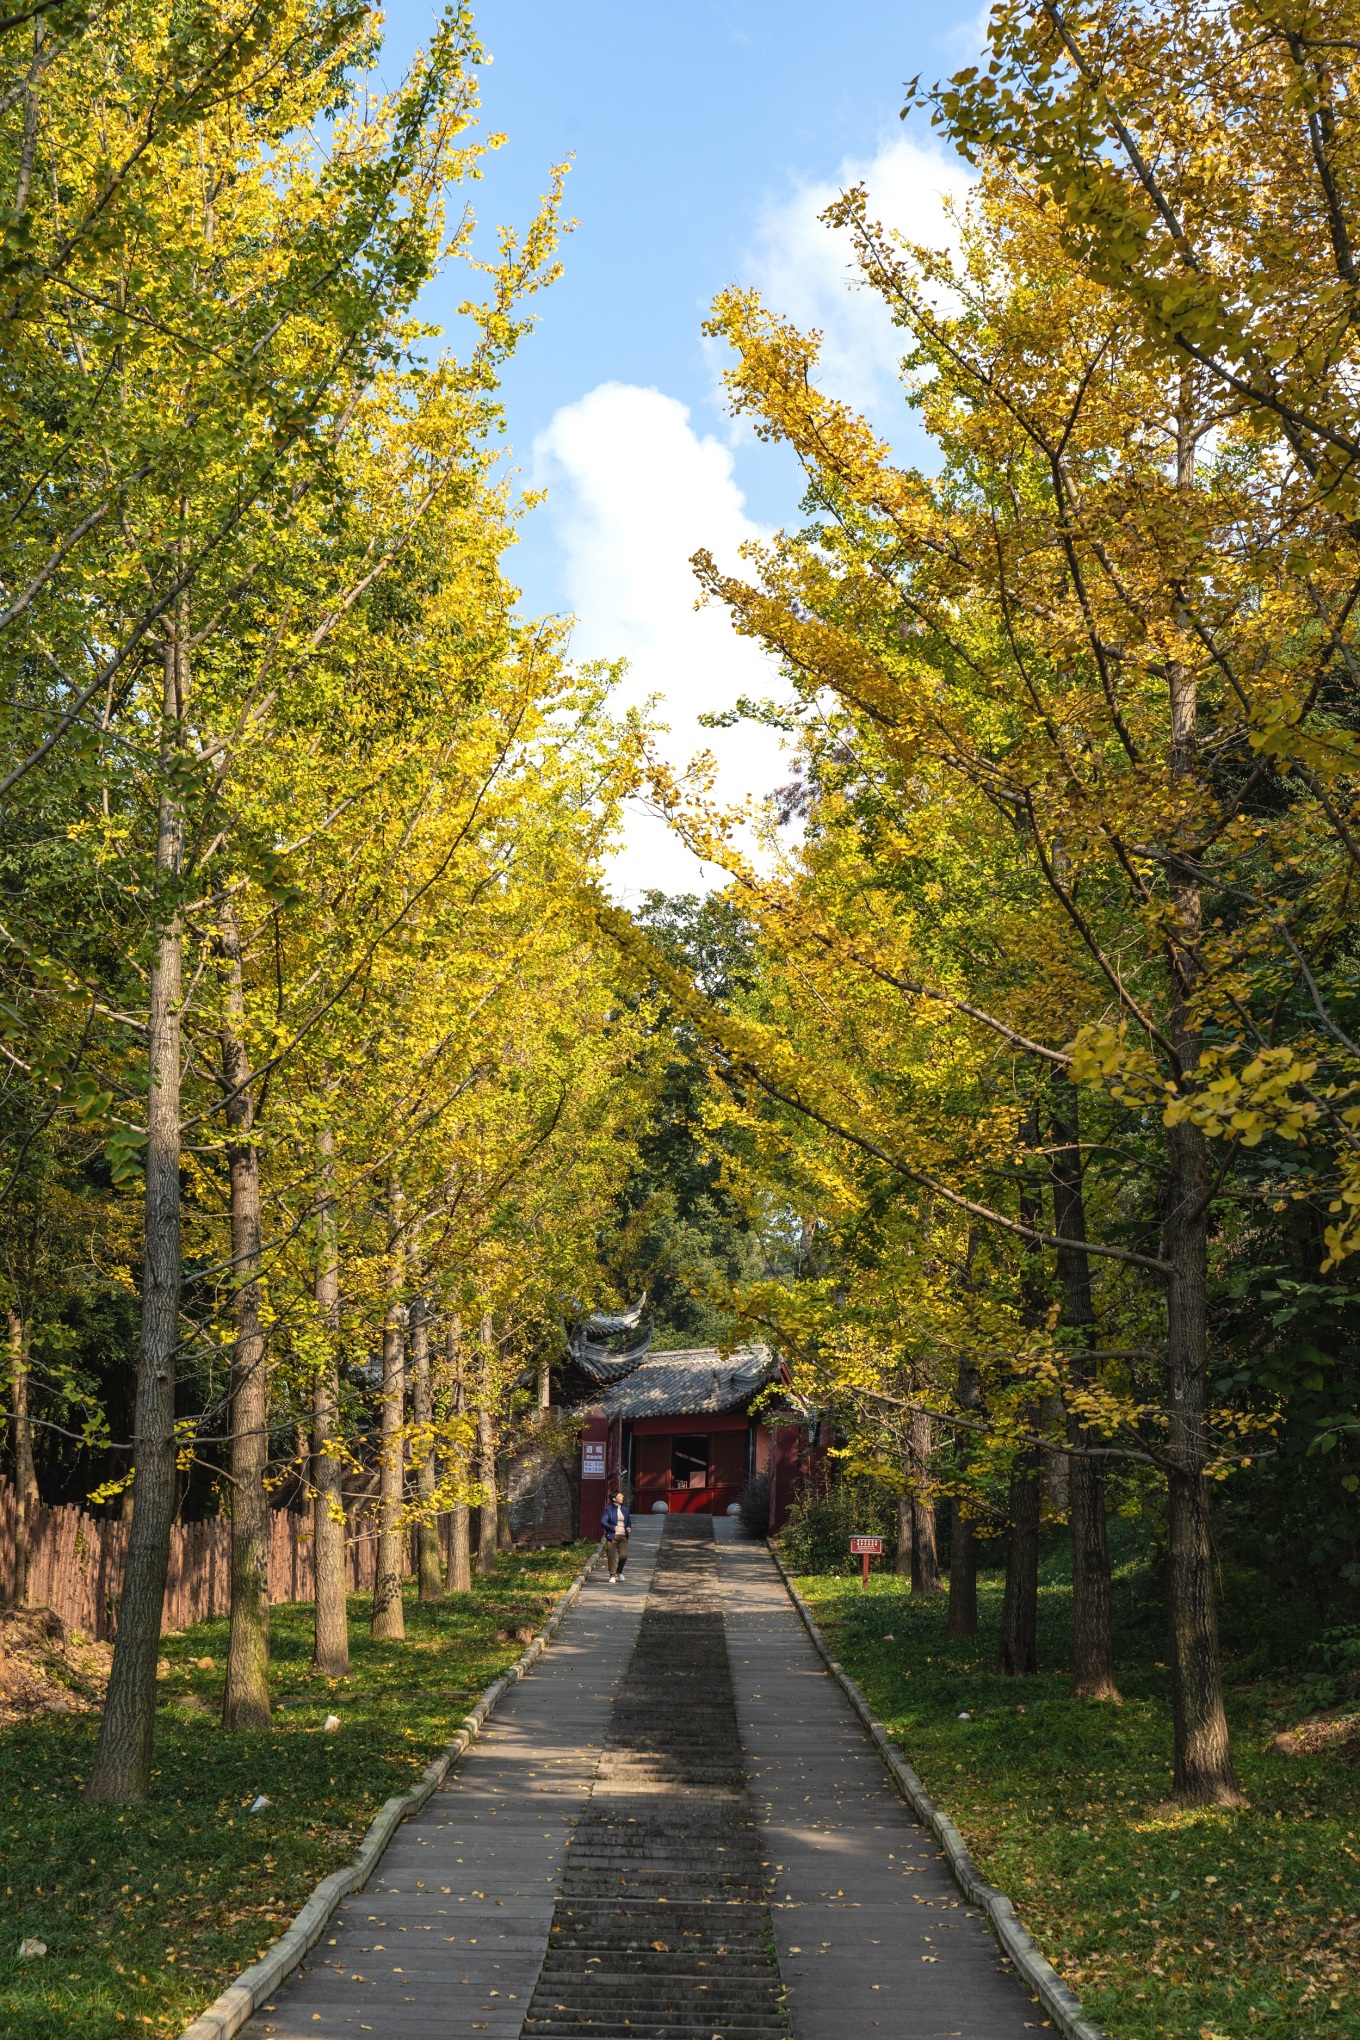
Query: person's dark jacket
{"points": [[614, 1519]]}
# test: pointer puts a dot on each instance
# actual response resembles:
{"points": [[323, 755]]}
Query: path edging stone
{"points": [[1057, 1999], [243, 1997]]}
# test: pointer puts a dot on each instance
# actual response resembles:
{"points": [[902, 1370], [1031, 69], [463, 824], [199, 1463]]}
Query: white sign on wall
{"points": [[592, 1459]]}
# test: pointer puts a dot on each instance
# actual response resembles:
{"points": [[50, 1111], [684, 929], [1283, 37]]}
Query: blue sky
{"points": [[706, 138]]}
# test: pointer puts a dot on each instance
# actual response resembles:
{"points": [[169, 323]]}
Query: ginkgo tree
{"points": [[271, 438], [441, 1094], [309, 1040], [1037, 657]]}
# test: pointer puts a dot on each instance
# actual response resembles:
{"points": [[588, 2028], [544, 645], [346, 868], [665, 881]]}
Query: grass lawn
{"points": [[1201, 1926], [149, 1911]]}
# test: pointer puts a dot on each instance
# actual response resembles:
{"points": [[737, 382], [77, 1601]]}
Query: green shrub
{"points": [[816, 1538]]}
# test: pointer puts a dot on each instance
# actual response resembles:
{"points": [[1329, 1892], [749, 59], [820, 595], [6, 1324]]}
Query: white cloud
{"points": [[967, 41], [808, 274], [633, 493]]}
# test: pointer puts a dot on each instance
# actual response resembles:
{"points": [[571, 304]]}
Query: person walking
{"points": [[616, 1524]]}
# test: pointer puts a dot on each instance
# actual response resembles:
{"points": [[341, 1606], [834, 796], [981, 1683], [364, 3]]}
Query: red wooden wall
{"points": [[76, 1565]]}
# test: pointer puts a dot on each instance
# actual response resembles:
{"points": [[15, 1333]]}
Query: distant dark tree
{"points": [[680, 1229]]}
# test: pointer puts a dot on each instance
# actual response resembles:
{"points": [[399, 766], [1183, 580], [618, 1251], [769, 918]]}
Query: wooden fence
{"points": [[75, 1565]]}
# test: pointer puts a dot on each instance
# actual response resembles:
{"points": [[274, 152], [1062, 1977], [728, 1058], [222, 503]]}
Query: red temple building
{"points": [[676, 1431]]}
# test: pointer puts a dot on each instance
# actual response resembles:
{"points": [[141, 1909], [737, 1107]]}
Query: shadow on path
{"points": [[448, 1939], [662, 1927], [674, 1829]]}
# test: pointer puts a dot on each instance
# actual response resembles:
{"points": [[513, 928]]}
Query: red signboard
{"points": [[865, 1548]]}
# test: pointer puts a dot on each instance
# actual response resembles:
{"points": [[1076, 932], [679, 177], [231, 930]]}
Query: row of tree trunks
{"points": [[1204, 1772], [122, 1767], [1092, 1629]]}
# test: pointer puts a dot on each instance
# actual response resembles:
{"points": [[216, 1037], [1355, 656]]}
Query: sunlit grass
{"points": [[1201, 1926]]}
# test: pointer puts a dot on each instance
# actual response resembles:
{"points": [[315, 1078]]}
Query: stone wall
{"points": [[544, 1496]]}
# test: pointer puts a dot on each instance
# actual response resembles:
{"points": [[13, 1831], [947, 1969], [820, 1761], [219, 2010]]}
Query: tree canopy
{"points": [[1009, 1088]]}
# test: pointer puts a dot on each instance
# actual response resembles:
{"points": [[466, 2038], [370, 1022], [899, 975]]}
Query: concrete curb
{"points": [[1061, 2004], [241, 1999]]}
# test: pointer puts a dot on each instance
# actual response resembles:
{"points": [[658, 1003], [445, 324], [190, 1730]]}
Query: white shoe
{"points": [[611, 1581]]}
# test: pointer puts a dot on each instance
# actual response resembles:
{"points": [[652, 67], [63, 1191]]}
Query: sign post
{"points": [[866, 1548]]}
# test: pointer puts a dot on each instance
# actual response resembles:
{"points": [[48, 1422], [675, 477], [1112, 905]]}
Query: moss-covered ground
{"points": [[1201, 1926], [149, 1911]]}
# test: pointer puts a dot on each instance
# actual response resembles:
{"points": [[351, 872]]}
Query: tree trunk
{"points": [[486, 1455], [1204, 1774], [926, 1577], [963, 1554], [459, 1579], [245, 1702], [1057, 1465], [121, 1773], [544, 1386], [902, 1563], [1019, 1654], [962, 1619], [330, 1644], [1092, 1614], [388, 1620], [1093, 1676], [429, 1565], [23, 183], [25, 1480], [504, 1537]]}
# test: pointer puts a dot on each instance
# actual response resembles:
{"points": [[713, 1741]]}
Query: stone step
{"points": [[662, 1993], [688, 2025], [623, 1937], [632, 1962]]}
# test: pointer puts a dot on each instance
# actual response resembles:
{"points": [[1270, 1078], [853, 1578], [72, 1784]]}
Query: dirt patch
{"points": [[46, 1668], [1332, 1735]]}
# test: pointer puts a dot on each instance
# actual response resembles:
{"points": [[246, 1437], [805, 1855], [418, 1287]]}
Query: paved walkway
{"points": [[663, 1925], [872, 1935], [482, 1910], [448, 1939]]}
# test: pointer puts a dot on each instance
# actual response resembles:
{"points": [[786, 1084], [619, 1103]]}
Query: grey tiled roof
{"points": [[697, 1383], [594, 1358]]}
